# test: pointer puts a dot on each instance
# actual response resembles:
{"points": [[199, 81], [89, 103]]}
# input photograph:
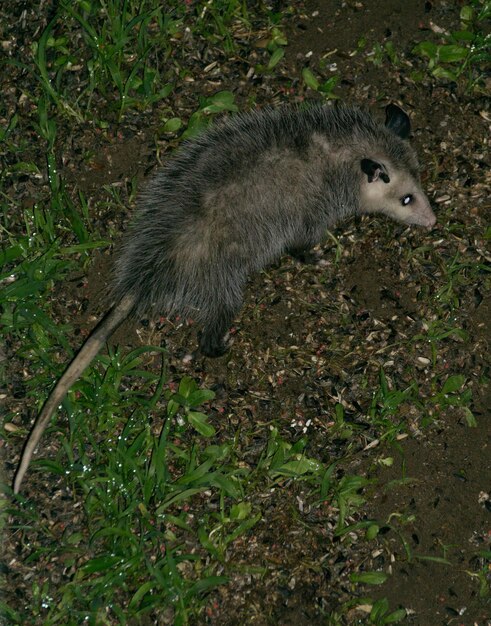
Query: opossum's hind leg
{"points": [[214, 338], [223, 303]]}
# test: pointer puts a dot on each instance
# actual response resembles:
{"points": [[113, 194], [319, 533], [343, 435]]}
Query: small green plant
{"points": [[381, 614], [275, 47], [458, 275], [369, 578], [347, 496], [382, 52], [483, 576], [343, 428], [285, 460], [221, 102], [215, 21], [453, 394], [188, 397], [226, 527], [326, 88], [385, 406], [437, 331]]}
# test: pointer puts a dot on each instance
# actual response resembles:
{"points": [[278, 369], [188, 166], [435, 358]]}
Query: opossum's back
{"points": [[234, 145], [231, 150]]}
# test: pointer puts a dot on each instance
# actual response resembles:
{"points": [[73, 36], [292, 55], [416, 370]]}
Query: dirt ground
{"points": [[311, 336]]}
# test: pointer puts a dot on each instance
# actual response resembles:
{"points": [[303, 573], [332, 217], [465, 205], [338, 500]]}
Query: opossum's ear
{"points": [[397, 121], [374, 170]]}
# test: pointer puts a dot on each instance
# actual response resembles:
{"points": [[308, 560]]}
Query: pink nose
{"points": [[431, 221]]}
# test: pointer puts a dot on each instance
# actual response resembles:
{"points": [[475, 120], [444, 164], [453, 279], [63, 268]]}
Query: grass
{"points": [[135, 482], [161, 497]]}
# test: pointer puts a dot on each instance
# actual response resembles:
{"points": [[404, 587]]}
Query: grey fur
{"points": [[244, 193], [235, 199]]}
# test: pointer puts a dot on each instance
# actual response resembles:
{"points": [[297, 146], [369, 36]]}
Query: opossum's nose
{"points": [[431, 221], [426, 220], [427, 217]]}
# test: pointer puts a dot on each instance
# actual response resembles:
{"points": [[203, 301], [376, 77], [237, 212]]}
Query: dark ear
{"points": [[374, 170], [397, 121]]}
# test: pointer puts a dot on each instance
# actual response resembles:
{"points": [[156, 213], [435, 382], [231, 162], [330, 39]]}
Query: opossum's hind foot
{"points": [[307, 256], [214, 340], [213, 345]]}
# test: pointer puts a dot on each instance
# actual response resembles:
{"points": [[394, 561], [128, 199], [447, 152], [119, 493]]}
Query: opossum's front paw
{"points": [[212, 346]]}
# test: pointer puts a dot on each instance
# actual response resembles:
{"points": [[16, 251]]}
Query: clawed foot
{"points": [[214, 347], [307, 256]]}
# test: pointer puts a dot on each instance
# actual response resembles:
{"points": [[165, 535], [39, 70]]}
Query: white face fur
{"points": [[396, 194]]}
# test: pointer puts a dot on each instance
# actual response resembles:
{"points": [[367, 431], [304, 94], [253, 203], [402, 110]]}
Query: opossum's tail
{"points": [[78, 365]]}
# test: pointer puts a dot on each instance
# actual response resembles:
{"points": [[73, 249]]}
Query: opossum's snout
{"points": [[412, 208], [394, 193], [418, 211]]}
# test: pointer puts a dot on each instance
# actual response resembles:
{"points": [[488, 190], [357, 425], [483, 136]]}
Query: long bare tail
{"points": [[78, 365]]}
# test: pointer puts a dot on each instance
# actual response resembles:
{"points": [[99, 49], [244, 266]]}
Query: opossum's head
{"points": [[390, 181], [396, 193]]}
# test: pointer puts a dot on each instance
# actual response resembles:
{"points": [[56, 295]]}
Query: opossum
{"points": [[233, 200]]}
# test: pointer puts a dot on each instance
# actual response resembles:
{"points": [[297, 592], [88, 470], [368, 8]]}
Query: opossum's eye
{"points": [[407, 199]]}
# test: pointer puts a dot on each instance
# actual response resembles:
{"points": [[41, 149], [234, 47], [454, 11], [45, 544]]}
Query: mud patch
{"points": [[434, 497]]}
